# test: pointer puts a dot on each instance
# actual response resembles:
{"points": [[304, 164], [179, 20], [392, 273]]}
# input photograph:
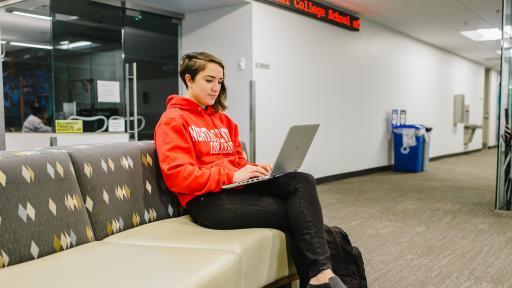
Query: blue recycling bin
{"points": [[408, 148]]}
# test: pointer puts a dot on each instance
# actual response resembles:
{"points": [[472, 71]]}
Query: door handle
{"points": [[134, 99], [127, 95], [135, 112]]}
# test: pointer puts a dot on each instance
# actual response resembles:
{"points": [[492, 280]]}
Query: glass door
{"points": [[87, 55], [150, 47]]}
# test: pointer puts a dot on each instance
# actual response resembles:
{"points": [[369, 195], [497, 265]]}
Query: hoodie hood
{"points": [[182, 102]]}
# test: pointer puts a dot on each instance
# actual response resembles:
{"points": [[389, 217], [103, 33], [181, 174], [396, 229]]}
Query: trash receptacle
{"points": [[408, 149], [426, 147]]}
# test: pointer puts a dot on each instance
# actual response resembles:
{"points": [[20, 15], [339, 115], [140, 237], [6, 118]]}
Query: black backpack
{"points": [[346, 260]]}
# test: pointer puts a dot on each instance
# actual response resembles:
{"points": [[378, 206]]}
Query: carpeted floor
{"points": [[432, 229]]}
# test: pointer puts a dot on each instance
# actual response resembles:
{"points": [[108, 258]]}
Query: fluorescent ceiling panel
{"points": [[79, 44], [32, 15], [30, 45], [483, 34]]}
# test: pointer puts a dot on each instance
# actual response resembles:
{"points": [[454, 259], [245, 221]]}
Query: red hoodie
{"points": [[198, 149]]}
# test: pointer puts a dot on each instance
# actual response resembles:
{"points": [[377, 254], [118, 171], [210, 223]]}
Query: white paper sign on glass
{"points": [[69, 108], [108, 91], [116, 125]]}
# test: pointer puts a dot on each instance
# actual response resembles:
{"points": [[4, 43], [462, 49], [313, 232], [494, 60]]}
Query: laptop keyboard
{"points": [[253, 180]]}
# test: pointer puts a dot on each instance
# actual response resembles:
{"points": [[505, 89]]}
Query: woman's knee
{"points": [[300, 178], [294, 183]]}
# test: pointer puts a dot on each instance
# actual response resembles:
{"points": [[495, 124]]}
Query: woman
{"points": [[199, 152]]}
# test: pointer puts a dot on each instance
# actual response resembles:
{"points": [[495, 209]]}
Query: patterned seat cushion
{"points": [[120, 187], [41, 209]]}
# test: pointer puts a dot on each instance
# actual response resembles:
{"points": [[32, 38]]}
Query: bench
{"points": [[100, 216]]}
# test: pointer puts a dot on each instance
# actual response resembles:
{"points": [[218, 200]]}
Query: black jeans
{"points": [[288, 203]]}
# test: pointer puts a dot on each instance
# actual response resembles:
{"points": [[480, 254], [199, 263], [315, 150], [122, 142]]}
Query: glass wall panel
{"points": [[157, 71], [87, 49], [70, 59], [26, 68]]}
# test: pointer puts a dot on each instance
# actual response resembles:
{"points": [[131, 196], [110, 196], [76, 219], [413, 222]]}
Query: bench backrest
{"points": [[41, 208], [58, 198], [121, 186]]}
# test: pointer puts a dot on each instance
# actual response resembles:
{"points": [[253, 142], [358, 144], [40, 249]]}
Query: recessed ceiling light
{"points": [[79, 44], [64, 17], [32, 15], [30, 45], [483, 34], [68, 45]]}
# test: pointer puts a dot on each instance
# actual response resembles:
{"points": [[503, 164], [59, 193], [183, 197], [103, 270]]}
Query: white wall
{"points": [[226, 33], [346, 81], [349, 82], [494, 82]]}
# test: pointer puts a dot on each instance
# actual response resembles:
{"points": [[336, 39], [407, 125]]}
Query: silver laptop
{"points": [[292, 154]]}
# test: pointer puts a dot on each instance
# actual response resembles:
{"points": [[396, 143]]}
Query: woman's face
{"points": [[206, 87]]}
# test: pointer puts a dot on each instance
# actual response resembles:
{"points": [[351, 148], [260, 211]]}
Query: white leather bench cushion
{"points": [[262, 251], [108, 264]]}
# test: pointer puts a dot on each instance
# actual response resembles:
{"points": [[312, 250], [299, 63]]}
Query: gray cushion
{"points": [[42, 211], [119, 186], [163, 200]]}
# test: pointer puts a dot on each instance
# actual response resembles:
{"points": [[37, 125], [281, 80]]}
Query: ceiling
{"points": [[16, 28], [436, 22], [187, 6]]}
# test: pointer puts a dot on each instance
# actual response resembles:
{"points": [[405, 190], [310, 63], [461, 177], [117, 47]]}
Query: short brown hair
{"points": [[194, 63]]}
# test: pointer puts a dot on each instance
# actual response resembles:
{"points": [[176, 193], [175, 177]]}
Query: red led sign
{"points": [[319, 11]]}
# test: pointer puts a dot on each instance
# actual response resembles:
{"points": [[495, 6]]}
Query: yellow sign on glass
{"points": [[69, 126]]}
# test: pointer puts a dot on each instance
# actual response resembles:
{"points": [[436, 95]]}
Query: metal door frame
{"points": [[2, 115]]}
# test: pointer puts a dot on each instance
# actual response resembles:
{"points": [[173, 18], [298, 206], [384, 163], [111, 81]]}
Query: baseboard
{"points": [[455, 154], [364, 172]]}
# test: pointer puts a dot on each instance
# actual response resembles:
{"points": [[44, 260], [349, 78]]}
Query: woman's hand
{"points": [[251, 171], [266, 167]]}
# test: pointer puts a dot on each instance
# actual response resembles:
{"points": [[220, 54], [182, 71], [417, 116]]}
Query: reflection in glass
{"points": [[87, 41], [157, 72], [59, 50], [26, 68]]}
